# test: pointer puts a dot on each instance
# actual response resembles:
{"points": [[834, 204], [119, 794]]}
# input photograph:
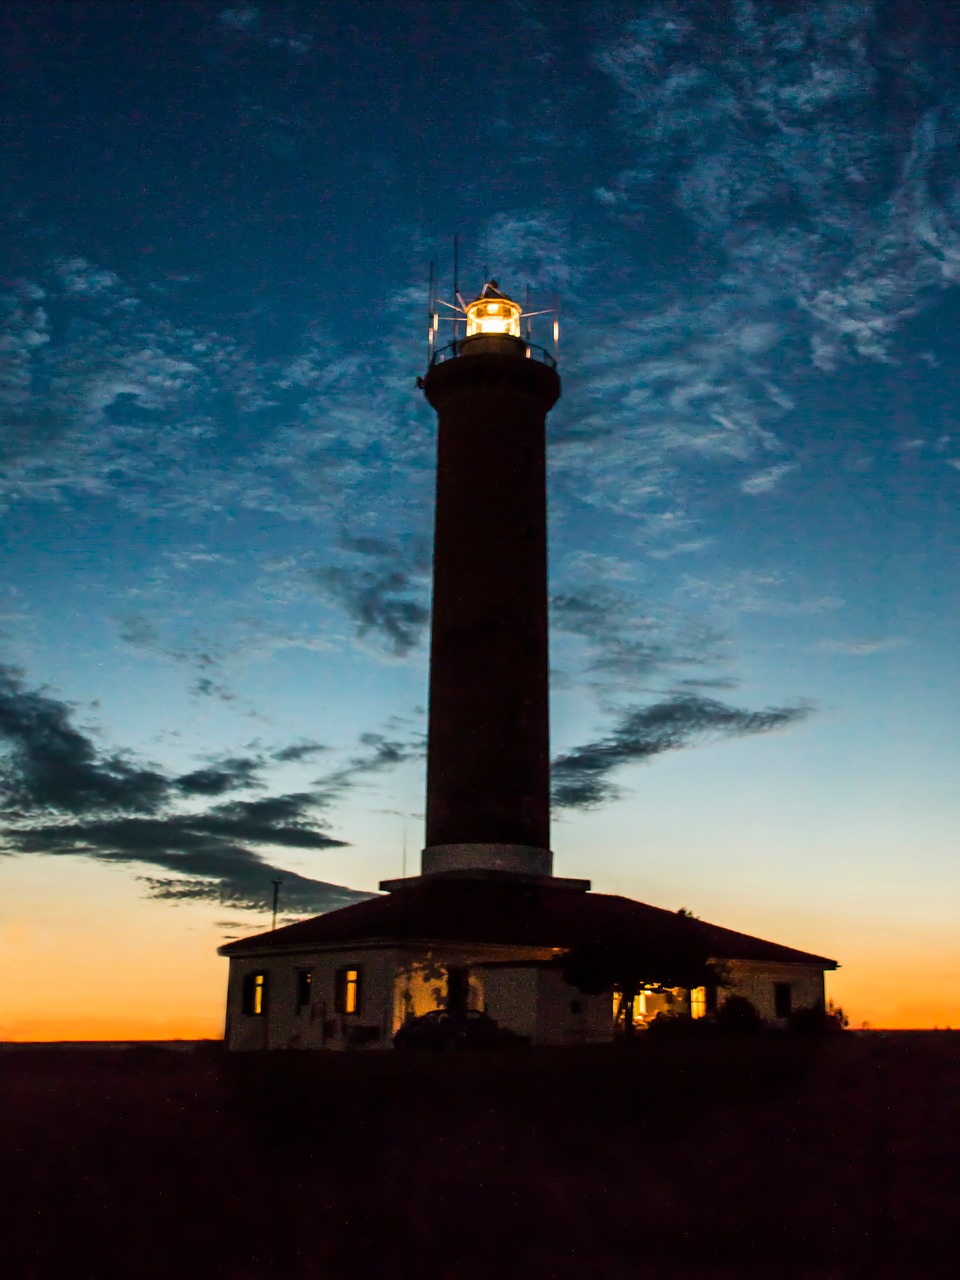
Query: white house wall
{"points": [[525, 997], [756, 981], [568, 1016], [318, 1025], [534, 1001], [510, 997]]}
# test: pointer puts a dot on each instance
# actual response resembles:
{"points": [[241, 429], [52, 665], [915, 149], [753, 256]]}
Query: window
{"points": [[348, 991], [304, 980], [782, 999], [698, 1002], [255, 994]]}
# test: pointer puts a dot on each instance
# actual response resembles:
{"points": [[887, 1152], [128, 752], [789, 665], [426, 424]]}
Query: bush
{"points": [[681, 1026], [817, 1021], [738, 1017]]}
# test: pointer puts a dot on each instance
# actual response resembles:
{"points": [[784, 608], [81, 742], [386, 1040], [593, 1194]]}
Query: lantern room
{"points": [[493, 313], [492, 324]]}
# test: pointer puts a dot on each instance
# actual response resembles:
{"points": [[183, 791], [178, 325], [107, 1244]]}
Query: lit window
{"points": [[348, 991], [304, 979], [698, 1002], [255, 994]]}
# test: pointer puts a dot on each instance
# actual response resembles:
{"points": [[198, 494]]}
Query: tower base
{"points": [[520, 858], [442, 880]]}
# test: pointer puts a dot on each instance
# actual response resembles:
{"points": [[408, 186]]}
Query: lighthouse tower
{"points": [[488, 756]]}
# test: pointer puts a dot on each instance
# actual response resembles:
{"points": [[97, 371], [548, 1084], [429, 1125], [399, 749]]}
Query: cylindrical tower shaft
{"points": [[488, 760]]}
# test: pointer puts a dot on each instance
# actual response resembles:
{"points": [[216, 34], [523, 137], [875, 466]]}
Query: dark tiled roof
{"points": [[510, 915]]}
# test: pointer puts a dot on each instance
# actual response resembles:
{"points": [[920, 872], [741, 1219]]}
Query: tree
{"points": [[738, 1016], [676, 956]]}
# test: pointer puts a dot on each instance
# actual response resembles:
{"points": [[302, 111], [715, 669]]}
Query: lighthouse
{"points": [[488, 751], [483, 926]]}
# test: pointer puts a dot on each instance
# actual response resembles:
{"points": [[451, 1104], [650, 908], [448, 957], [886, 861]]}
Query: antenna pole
{"points": [[430, 310], [404, 850], [456, 278], [276, 895]]}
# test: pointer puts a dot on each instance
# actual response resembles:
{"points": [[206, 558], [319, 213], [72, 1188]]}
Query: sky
{"points": [[216, 470]]}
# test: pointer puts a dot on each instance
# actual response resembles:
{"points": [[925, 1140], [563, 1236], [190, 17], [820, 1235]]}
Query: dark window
{"points": [[255, 994], [304, 979], [348, 991], [782, 999], [576, 1006], [458, 988]]}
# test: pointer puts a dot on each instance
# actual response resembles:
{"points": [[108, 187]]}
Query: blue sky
{"points": [[217, 470]]}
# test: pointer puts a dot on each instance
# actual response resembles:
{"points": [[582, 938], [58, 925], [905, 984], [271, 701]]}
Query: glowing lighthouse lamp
{"points": [[499, 316], [492, 322]]}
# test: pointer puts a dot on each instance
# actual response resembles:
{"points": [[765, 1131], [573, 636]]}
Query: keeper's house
{"points": [[477, 939]]}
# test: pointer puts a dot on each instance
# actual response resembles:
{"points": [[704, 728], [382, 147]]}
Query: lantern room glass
{"points": [[493, 315]]}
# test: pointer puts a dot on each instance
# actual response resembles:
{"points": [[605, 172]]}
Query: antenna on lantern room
{"points": [[433, 320], [456, 281]]}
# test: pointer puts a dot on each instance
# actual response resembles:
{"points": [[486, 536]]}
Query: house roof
{"points": [[442, 909]]}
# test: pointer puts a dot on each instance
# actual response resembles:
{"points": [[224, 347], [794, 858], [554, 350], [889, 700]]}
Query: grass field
{"points": [[769, 1158]]}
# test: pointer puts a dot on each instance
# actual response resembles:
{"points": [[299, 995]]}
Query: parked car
{"points": [[443, 1030]]}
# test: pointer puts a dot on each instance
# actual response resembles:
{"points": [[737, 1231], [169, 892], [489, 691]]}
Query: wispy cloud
{"points": [[62, 794], [862, 648], [621, 643], [49, 765], [383, 589], [814, 210], [298, 751], [582, 777], [755, 591], [768, 480], [232, 773]]}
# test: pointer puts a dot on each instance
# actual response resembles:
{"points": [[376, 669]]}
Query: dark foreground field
{"points": [[774, 1158]]}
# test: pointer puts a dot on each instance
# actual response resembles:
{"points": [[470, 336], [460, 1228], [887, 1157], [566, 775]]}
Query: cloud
{"points": [[532, 249], [209, 856], [48, 764], [298, 751], [207, 688], [680, 549], [138, 632], [862, 648], [756, 591], [104, 396], [62, 794], [383, 589], [581, 778], [378, 752], [616, 642], [299, 893], [230, 774], [380, 601], [241, 17], [767, 481], [810, 218]]}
